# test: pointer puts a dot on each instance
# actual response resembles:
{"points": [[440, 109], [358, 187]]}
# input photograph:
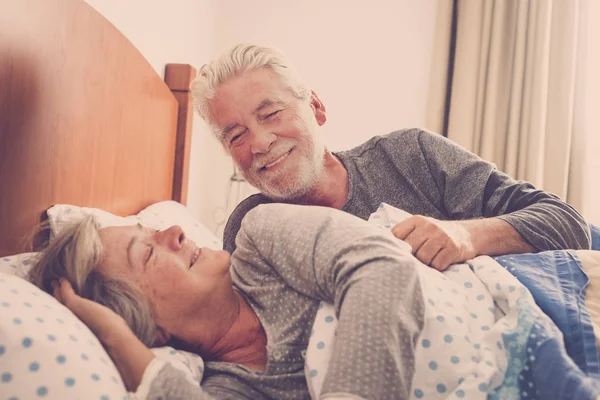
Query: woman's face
{"points": [[176, 277]]}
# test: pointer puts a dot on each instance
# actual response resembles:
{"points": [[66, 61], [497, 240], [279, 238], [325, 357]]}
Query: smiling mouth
{"points": [[195, 256], [277, 161]]}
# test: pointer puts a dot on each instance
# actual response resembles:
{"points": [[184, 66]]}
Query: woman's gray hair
{"points": [[235, 61], [75, 254]]}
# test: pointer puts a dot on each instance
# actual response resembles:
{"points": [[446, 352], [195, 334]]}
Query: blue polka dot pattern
{"points": [[419, 393], [448, 338], [426, 343], [460, 393], [38, 357], [433, 365], [454, 360], [441, 388]]}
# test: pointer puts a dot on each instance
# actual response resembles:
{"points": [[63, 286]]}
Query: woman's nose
{"points": [[172, 237]]}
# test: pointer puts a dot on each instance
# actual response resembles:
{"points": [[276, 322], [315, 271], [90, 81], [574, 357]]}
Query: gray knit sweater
{"points": [[426, 174]]}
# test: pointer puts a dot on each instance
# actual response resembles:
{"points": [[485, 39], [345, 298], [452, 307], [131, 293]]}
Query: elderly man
{"points": [[267, 120]]}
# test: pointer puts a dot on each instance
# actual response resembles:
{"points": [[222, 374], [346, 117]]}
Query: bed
{"points": [[88, 127], [86, 124], [84, 118]]}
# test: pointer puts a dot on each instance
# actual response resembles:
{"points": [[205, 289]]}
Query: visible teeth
{"points": [[195, 256], [276, 161]]}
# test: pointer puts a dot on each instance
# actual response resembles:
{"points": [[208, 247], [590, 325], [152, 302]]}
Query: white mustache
{"points": [[281, 148]]}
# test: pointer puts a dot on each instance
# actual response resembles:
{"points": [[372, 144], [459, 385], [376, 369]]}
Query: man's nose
{"points": [[262, 140], [172, 237]]}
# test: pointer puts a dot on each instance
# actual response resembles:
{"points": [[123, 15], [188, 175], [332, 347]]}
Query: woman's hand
{"points": [[101, 320], [130, 355]]}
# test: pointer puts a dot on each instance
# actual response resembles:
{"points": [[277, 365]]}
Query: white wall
{"points": [[369, 62], [182, 31]]}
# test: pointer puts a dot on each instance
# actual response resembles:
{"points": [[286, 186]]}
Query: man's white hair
{"points": [[235, 61]]}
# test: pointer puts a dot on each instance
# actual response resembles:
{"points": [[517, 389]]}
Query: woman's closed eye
{"points": [[148, 254]]}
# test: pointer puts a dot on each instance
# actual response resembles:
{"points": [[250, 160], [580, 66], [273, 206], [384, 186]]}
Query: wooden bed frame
{"points": [[84, 118]]}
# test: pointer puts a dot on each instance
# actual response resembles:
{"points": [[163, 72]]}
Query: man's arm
{"points": [[492, 213], [442, 243]]}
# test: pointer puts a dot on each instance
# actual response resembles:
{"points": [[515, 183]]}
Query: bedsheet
{"points": [[485, 336]]}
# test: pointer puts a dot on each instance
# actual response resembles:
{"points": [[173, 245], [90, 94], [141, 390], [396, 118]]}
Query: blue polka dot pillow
{"points": [[45, 351], [19, 264]]}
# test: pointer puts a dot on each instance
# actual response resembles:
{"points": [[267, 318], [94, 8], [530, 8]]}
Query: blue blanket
{"points": [[557, 282]]}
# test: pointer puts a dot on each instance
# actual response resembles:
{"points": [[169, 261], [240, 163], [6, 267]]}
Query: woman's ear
{"points": [[162, 337]]}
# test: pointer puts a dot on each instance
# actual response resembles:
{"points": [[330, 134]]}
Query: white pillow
{"points": [[46, 352], [18, 265], [158, 216]]}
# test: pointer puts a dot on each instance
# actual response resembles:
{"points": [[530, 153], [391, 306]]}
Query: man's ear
{"points": [[162, 337], [318, 108]]}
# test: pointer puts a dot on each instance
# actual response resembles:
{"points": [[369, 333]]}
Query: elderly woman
{"points": [[248, 317]]}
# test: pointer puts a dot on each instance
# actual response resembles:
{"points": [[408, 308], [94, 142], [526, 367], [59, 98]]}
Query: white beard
{"points": [[307, 174]]}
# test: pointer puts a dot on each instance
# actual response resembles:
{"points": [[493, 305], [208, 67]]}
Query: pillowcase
{"points": [[46, 352], [160, 215], [18, 265]]}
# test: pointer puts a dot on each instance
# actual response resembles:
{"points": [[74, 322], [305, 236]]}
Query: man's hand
{"points": [[436, 243], [442, 243]]}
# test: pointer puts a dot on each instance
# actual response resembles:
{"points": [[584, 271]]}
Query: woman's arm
{"points": [[329, 255], [129, 354]]}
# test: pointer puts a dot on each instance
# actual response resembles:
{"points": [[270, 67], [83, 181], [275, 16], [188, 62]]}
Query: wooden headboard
{"points": [[84, 118]]}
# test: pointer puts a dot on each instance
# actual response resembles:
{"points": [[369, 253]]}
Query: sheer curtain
{"points": [[515, 88]]}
